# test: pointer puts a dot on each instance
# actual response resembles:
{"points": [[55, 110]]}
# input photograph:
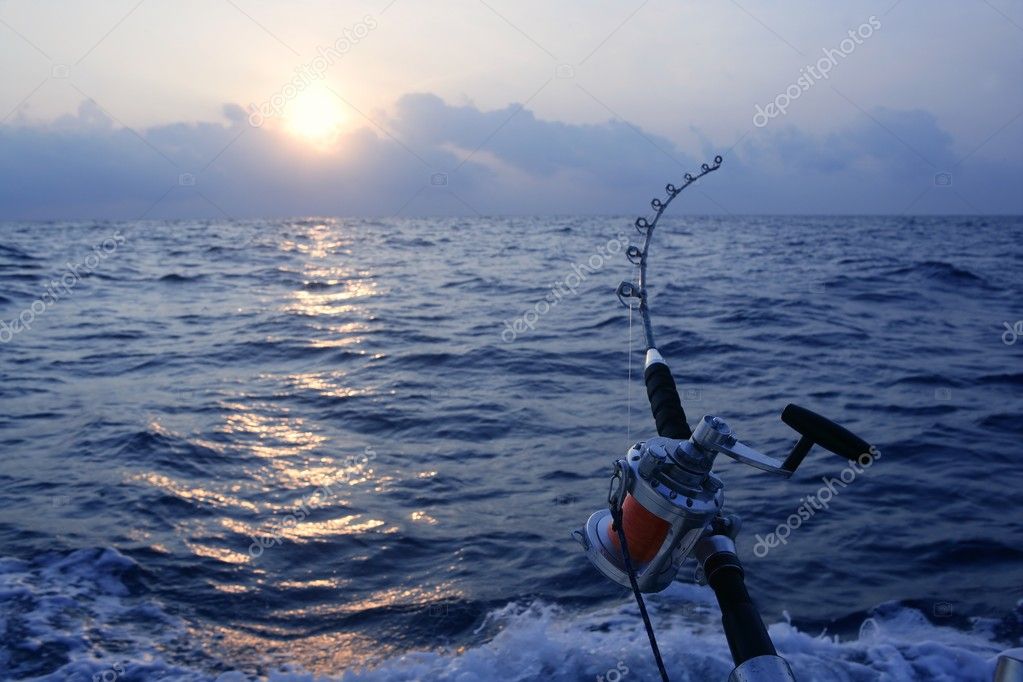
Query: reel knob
{"points": [[818, 430]]}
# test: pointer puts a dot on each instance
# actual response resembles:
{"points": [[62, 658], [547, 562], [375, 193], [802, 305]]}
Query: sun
{"points": [[315, 115]]}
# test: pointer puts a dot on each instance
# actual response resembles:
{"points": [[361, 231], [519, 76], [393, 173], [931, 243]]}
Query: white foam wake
{"points": [[75, 612], [897, 644]]}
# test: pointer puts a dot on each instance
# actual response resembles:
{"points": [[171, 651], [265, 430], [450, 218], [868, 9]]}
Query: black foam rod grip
{"points": [[665, 403], [744, 629], [825, 432]]}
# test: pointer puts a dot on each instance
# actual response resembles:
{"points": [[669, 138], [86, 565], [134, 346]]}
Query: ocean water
{"points": [[355, 449]]}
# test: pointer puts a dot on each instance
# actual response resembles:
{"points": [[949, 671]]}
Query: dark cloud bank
{"points": [[435, 158]]}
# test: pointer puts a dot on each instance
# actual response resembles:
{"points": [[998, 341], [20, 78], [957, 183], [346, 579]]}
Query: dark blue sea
{"points": [[356, 449]]}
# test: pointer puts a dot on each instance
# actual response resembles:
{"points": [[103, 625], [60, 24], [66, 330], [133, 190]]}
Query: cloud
{"points": [[888, 161], [429, 157]]}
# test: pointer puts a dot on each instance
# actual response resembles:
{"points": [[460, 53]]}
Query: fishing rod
{"points": [[665, 502]]}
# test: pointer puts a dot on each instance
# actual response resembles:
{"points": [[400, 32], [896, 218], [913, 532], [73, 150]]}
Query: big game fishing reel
{"points": [[665, 502], [668, 494]]}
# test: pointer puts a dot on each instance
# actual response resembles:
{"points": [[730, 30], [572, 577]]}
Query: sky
{"points": [[153, 109]]}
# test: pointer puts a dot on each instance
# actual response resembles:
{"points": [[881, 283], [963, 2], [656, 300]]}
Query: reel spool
{"points": [[667, 496]]}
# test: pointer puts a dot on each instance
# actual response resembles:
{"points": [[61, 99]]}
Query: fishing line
{"points": [[616, 513]]}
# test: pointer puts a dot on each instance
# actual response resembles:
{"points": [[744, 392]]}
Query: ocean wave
{"points": [[16, 254], [66, 616], [176, 278], [939, 271]]}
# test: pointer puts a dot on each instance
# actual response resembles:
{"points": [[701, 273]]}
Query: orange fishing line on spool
{"points": [[644, 531]]}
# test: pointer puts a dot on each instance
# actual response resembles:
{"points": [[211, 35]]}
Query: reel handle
{"points": [[818, 430]]}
